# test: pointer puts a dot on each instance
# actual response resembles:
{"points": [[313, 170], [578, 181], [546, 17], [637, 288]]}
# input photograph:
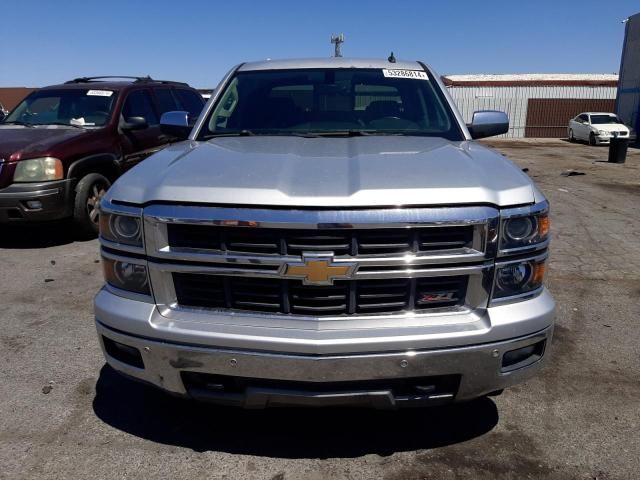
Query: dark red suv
{"points": [[63, 145]]}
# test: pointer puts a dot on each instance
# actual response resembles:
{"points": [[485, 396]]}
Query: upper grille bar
{"points": [[398, 236]]}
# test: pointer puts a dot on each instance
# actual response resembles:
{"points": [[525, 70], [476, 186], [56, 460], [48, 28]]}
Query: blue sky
{"points": [[49, 41]]}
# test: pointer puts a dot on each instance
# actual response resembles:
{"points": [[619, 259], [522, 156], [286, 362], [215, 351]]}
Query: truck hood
{"points": [[326, 172], [18, 142]]}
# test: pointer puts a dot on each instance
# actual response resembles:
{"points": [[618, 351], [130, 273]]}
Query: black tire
{"points": [[592, 139], [89, 190], [572, 137]]}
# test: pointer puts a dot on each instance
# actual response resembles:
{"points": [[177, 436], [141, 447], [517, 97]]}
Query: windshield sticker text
{"points": [[100, 93], [415, 74]]}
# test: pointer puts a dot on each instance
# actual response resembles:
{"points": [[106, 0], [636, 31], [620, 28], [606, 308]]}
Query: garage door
{"points": [[549, 117]]}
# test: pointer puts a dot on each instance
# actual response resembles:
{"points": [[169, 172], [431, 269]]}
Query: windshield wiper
{"points": [[17, 122], [64, 124], [238, 133]]}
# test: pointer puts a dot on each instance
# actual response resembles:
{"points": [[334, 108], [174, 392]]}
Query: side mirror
{"points": [[134, 123], [488, 123], [176, 124]]}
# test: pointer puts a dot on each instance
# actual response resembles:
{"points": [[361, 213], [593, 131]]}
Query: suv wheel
{"points": [[90, 189]]}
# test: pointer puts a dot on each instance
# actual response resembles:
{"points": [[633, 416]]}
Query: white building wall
{"points": [[514, 100]]}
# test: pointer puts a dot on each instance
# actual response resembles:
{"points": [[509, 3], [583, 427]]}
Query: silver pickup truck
{"points": [[328, 233]]}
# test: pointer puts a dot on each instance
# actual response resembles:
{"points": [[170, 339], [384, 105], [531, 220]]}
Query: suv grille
{"points": [[344, 297], [343, 242]]}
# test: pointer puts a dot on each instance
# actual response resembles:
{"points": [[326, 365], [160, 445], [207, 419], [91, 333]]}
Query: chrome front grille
{"points": [[343, 298], [394, 262]]}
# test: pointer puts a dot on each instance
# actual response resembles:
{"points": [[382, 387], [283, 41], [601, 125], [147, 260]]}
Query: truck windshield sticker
{"points": [[415, 74], [100, 93]]}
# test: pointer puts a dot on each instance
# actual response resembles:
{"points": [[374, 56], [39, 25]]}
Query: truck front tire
{"points": [[89, 191]]}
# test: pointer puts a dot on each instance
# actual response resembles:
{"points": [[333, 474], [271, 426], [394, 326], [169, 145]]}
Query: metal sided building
{"points": [[538, 105], [628, 100]]}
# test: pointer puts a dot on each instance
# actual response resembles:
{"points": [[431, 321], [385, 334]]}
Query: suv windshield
{"points": [[600, 119], [77, 107], [332, 102]]}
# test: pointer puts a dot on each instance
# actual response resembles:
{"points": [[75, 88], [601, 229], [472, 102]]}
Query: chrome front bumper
{"points": [[478, 367]]}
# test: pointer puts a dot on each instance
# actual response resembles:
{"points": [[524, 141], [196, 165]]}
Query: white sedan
{"points": [[596, 128]]}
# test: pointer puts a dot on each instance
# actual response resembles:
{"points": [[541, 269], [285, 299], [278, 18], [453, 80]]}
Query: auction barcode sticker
{"points": [[415, 74], [100, 93]]}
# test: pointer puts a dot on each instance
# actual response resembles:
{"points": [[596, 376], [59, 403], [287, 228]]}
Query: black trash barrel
{"points": [[618, 150]]}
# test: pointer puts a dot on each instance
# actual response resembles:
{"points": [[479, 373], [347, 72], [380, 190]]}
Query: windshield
{"points": [[332, 102], [600, 119], [77, 107]]}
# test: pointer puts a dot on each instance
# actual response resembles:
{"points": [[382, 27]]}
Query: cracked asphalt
{"points": [[64, 414]]}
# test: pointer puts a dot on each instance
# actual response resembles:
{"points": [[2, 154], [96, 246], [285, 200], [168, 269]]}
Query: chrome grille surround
{"points": [[475, 261]]}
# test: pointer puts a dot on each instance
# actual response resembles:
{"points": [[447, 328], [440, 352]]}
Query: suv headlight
{"points": [[38, 170], [124, 229], [519, 278], [524, 229]]}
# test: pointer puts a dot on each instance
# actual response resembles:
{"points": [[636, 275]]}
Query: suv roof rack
{"points": [[135, 79]]}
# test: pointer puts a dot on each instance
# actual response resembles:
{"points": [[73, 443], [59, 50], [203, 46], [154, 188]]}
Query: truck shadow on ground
{"points": [[37, 236], [284, 432]]}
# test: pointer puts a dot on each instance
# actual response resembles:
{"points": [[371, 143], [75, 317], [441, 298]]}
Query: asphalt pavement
{"points": [[65, 414]]}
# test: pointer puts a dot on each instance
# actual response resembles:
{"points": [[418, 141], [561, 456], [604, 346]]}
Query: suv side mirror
{"points": [[176, 124], [134, 123], [487, 123]]}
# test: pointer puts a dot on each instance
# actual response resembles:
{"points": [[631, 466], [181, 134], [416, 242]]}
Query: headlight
{"points": [[519, 278], [524, 228], [124, 229], [124, 275], [38, 170], [603, 133]]}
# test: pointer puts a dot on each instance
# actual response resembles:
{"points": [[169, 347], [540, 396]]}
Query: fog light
{"points": [[522, 357], [123, 353], [34, 204]]}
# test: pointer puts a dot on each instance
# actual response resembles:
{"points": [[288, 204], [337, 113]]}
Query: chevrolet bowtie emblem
{"points": [[319, 270]]}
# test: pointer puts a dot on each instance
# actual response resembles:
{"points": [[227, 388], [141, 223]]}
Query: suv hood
{"points": [[23, 142], [326, 172]]}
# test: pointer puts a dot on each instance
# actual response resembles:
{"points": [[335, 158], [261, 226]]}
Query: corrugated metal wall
{"points": [[547, 117], [514, 100], [628, 102]]}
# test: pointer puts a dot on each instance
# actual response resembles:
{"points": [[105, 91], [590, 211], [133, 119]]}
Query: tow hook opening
{"points": [[123, 353], [523, 357]]}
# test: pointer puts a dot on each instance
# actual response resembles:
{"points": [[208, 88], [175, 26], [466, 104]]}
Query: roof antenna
{"points": [[338, 40], [391, 58]]}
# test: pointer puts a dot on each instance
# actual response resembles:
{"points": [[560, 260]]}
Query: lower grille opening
{"points": [[354, 297], [442, 385], [14, 213], [123, 353]]}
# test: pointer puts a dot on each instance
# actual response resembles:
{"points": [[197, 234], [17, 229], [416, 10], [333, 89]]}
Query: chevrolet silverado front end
{"points": [[329, 234]]}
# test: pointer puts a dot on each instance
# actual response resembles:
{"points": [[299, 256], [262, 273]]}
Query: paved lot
{"points": [[578, 420]]}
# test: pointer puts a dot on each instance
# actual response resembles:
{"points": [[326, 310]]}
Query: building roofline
{"points": [[536, 79]]}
